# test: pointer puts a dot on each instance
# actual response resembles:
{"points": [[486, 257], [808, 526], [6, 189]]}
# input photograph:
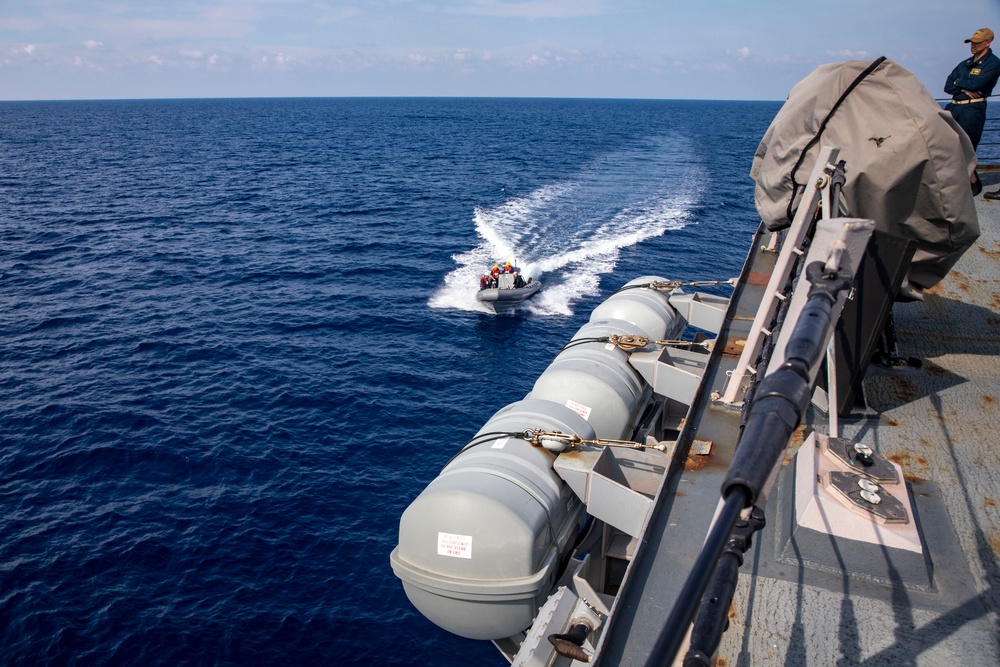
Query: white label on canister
{"points": [[500, 443], [579, 408], [456, 546]]}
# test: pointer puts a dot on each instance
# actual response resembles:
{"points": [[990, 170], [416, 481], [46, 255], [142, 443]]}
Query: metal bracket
{"points": [[864, 493], [861, 459]]}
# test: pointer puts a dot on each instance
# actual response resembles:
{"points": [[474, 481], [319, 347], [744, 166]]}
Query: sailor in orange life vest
{"points": [[495, 273], [507, 268], [484, 282]]}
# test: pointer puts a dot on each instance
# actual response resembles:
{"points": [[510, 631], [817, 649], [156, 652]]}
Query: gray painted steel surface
{"points": [[481, 546]]}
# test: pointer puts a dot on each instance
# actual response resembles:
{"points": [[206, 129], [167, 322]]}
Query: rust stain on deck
{"points": [[995, 544]]}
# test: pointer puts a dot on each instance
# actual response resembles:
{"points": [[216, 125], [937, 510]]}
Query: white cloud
{"points": [[93, 44], [192, 54], [29, 49], [156, 60], [279, 61], [471, 57], [848, 54], [744, 52]]}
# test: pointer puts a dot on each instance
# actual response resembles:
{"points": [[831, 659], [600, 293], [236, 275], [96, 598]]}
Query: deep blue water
{"points": [[238, 337]]}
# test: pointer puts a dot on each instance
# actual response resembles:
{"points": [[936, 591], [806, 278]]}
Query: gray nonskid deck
{"points": [[941, 423]]}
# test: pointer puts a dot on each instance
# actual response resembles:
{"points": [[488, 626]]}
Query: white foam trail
{"points": [[570, 233], [503, 228]]}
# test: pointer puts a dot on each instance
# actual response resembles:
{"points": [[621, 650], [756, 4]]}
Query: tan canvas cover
{"points": [[909, 165]]}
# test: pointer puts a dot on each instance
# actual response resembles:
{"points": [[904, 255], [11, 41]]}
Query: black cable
{"points": [[675, 629], [776, 412], [628, 287], [696, 283], [480, 439], [949, 99], [789, 213], [583, 341]]}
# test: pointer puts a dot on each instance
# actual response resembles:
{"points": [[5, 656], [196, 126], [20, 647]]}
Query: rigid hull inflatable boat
{"points": [[505, 293]]}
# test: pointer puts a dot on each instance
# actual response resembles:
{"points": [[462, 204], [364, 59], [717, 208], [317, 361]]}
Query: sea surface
{"points": [[238, 337]]}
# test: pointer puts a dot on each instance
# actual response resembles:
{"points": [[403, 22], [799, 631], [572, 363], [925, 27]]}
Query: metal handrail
{"points": [[988, 153]]}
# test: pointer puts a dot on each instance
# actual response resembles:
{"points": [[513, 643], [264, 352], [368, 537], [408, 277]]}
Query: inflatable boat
{"points": [[505, 293]]}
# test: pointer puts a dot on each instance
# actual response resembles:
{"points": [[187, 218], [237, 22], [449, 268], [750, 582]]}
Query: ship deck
{"points": [[941, 424], [806, 598]]}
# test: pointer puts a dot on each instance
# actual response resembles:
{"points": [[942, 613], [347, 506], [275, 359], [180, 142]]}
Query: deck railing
{"points": [[988, 152]]}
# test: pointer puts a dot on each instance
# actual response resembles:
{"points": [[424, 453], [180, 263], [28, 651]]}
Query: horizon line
{"points": [[368, 97]]}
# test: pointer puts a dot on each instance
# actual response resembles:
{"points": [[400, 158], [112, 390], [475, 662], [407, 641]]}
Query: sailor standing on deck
{"points": [[971, 82]]}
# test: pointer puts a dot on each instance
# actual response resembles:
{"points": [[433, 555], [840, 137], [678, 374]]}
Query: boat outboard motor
{"points": [[482, 546]]}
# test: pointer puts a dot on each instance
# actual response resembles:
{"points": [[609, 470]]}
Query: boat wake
{"points": [[568, 234]]}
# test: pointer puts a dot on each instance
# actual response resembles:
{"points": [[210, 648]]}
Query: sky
{"points": [[654, 49]]}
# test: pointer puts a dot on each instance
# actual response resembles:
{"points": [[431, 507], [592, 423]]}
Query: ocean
{"points": [[238, 337]]}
